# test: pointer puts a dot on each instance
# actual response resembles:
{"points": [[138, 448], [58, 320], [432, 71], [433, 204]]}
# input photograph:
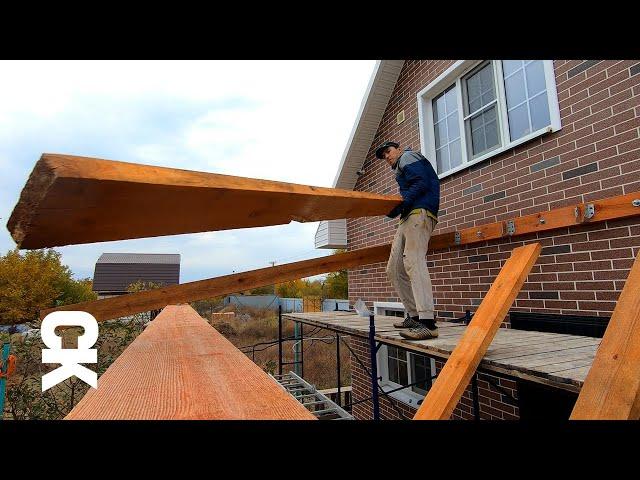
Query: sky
{"points": [[278, 120]]}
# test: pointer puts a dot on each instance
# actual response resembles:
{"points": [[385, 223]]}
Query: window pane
{"points": [[480, 88], [455, 154], [421, 369], [393, 370], [452, 125], [519, 122], [539, 112], [473, 93], [441, 133], [486, 76], [491, 134], [514, 87], [477, 135], [451, 100], [439, 108], [535, 78], [510, 66], [442, 159], [403, 375]]}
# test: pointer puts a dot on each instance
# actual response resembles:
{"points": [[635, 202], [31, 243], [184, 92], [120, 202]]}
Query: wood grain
{"points": [[181, 368], [70, 200], [611, 390], [465, 358]]}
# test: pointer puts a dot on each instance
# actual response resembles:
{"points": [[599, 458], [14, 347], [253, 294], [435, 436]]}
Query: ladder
{"points": [[317, 403]]}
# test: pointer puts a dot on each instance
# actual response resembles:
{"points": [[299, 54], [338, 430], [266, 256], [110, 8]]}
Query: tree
{"points": [[337, 284], [35, 281]]}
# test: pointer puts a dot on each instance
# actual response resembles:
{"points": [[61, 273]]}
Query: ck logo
{"points": [[70, 358]]}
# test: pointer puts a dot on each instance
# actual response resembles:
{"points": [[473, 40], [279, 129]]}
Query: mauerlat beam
{"points": [[606, 209], [72, 200], [446, 391], [611, 390], [611, 208]]}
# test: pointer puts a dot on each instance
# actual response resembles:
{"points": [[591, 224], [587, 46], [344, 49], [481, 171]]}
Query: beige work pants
{"points": [[407, 267]]}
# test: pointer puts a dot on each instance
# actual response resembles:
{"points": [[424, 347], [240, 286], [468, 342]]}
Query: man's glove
{"points": [[397, 210]]}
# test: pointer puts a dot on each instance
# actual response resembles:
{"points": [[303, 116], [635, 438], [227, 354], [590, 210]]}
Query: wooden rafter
{"points": [[72, 200], [446, 391], [611, 390], [132, 303]]}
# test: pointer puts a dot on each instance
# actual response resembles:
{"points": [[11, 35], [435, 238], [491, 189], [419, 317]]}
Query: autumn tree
{"points": [[35, 281]]}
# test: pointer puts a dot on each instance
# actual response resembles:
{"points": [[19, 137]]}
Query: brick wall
{"points": [[595, 155], [493, 405]]}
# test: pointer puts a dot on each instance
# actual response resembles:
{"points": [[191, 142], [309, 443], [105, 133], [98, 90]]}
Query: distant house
{"points": [[114, 272]]}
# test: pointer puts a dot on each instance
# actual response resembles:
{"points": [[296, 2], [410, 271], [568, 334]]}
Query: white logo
{"points": [[70, 358]]}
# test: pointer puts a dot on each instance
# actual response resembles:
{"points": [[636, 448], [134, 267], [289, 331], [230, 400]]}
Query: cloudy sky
{"points": [[278, 120]]}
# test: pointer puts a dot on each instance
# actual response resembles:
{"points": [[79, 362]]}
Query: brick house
{"points": [[507, 138]]}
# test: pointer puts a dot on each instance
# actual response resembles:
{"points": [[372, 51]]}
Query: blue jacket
{"points": [[419, 184]]}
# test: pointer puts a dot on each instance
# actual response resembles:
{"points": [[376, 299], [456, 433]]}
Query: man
{"points": [[407, 269]]}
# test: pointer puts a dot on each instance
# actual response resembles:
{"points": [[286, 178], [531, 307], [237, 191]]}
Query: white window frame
{"points": [[454, 74], [407, 395]]}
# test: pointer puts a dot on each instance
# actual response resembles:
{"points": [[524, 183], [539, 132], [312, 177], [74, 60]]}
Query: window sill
{"points": [[500, 150], [410, 399]]}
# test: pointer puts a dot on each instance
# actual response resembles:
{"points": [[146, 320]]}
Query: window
{"points": [[399, 367], [476, 110]]}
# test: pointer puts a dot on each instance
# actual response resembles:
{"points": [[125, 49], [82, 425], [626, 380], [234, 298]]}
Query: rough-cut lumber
{"points": [[611, 390], [132, 303], [72, 200], [465, 358], [181, 368]]}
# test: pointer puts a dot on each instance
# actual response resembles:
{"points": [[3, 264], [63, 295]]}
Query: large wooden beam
{"points": [[465, 358], [123, 305], [181, 368], [72, 200], [611, 390]]}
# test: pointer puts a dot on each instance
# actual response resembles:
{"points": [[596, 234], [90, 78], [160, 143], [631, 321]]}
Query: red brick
{"points": [[602, 306]]}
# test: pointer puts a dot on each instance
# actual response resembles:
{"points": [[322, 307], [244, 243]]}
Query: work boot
{"points": [[420, 333], [408, 322]]}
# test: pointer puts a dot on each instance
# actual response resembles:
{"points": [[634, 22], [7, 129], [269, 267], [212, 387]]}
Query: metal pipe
{"points": [[476, 403], [302, 349], [280, 339], [339, 402], [374, 368]]}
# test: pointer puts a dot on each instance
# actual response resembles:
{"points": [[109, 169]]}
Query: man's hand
{"points": [[397, 210]]}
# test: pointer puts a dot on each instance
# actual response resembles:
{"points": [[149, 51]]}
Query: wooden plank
{"points": [[180, 367], [606, 209], [71, 200], [129, 304], [611, 390], [465, 358], [510, 353]]}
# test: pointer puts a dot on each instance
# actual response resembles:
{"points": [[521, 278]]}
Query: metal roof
{"points": [[164, 258]]}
